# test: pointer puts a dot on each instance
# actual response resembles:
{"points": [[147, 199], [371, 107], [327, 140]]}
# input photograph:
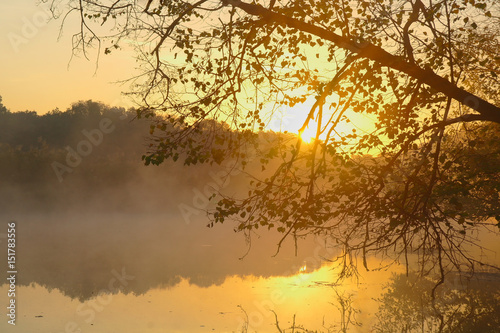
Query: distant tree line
{"points": [[31, 144], [58, 160], [28, 130]]}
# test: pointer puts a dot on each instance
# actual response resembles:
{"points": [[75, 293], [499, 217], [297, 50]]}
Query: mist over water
{"points": [[75, 254], [171, 263], [88, 205], [112, 244]]}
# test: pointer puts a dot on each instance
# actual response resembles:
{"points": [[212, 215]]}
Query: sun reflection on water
{"points": [[308, 296]]}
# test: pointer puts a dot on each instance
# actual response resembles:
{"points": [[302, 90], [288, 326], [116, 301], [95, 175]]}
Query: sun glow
{"points": [[293, 119], [347, 123], [308, 134]]}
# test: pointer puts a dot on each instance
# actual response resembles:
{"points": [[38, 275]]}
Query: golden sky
{"points": [[38, 72], [35, 69]]}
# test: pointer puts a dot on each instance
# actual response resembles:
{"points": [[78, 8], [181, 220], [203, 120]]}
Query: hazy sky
{"points": [[35, 68], [38, 73]]}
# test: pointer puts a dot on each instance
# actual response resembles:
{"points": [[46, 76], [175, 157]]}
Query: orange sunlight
{"points": [[308, 134], [292, 120]]}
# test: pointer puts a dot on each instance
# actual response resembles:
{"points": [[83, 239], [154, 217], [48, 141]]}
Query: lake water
{"points": [[140, 273]]}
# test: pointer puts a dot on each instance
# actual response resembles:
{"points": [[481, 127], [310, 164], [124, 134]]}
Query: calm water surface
{"points": [[117, 273]]}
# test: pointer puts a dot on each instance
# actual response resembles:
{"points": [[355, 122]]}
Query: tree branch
{"points": [[375, 53]]}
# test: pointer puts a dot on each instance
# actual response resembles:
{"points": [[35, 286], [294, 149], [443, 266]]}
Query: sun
{"points": [[292, 119], [308, 134]]}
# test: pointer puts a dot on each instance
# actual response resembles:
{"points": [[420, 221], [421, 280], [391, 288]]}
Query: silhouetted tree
{"points": [[425, 72], [31, 143], [3, 109]]}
